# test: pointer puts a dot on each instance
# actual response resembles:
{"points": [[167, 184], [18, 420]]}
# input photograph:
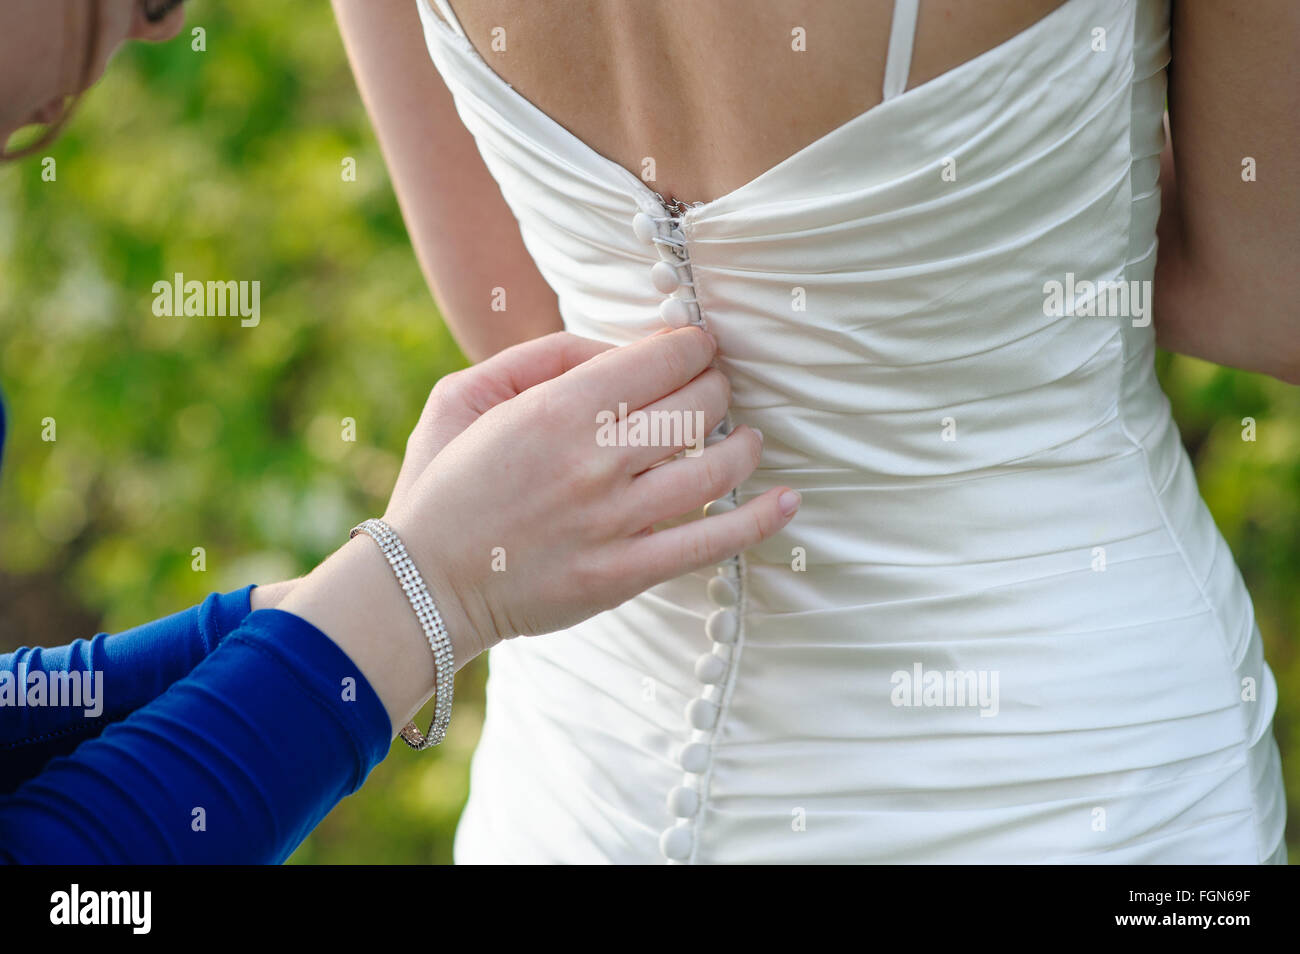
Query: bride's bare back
{"points": [[716, 92], [706, 96]]}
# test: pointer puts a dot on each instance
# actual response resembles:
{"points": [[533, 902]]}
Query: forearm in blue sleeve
{"points": [[114, 676], [235, 763]]}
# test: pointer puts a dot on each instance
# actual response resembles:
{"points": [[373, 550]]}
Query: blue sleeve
{"points": [[83, 687], [235, 763], [90, 684]]}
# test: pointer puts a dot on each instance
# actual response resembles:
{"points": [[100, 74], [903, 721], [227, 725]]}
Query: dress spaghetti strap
{"points": [[898, 61], [444, 7]]}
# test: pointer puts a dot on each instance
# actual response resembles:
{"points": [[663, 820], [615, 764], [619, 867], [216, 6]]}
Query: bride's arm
{"points": [[1226, 286], [465, 236]]}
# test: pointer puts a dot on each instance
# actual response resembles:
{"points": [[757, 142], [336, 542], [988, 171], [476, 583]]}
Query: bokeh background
{"points": [[175, 433]]}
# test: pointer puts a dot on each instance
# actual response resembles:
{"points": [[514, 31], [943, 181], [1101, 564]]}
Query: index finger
{"points": [[644, 371], [528, 364]]}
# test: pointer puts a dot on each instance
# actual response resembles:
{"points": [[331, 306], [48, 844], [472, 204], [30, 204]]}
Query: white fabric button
{"points": [[701, 714], [684, 801], [722, 626], [675, 312], [676, 843], [664, 277], [709, 669], [723, 592], [694, 757], [645, 228], [721, 505]]}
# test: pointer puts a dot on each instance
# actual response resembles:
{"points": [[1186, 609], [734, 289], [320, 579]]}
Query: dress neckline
{"points": [[648, 197]]}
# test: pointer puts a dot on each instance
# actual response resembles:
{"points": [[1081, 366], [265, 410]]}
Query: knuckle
{"points": [[695, 548], [556, 407], [602, 356], [716, 476], [711, 395], [446, 389], [561, 341], [450, 381], [594, 466], [545, 402], [415, 439], [675, 361], [720, 381], [674, 367]]}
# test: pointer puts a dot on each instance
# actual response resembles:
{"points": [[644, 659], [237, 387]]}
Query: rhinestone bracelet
{"points": [[430, 621]]}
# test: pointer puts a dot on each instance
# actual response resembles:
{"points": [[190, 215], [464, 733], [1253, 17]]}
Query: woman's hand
{"points": [[522, 523], [462, 397], [526, 525], [457, 401]]}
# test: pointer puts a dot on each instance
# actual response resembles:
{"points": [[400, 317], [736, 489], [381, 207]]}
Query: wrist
{"points": [[469, 632], [355, 599], [269, 595]]}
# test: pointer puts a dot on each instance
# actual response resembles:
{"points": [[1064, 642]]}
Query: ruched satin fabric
{"points": [[987, 488]]}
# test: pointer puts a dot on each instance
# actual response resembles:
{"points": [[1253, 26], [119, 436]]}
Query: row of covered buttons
{"points": [[723, 629], [677, 311], [723, 624]]}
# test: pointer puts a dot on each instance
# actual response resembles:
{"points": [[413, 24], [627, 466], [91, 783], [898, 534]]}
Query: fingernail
{"points": [[758, 432], [788, 502]]}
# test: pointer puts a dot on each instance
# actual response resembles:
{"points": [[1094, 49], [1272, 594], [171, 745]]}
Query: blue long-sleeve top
{"points": [[213, 735]]}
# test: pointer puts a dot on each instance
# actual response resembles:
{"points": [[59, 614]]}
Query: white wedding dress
{"points": [[994, 497]]}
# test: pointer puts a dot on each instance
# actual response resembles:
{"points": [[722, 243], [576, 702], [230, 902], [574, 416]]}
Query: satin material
{"points": [[967, 462]]}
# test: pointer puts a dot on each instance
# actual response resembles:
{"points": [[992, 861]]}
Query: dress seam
{"points": [[1158, 499], [687, 226], [724, 709]]}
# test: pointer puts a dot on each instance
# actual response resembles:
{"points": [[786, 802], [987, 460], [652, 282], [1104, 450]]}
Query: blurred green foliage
{"points": [[175, 433]]}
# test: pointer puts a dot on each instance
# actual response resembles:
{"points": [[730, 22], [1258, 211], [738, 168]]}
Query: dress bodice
{"points": [[939, 316]]}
